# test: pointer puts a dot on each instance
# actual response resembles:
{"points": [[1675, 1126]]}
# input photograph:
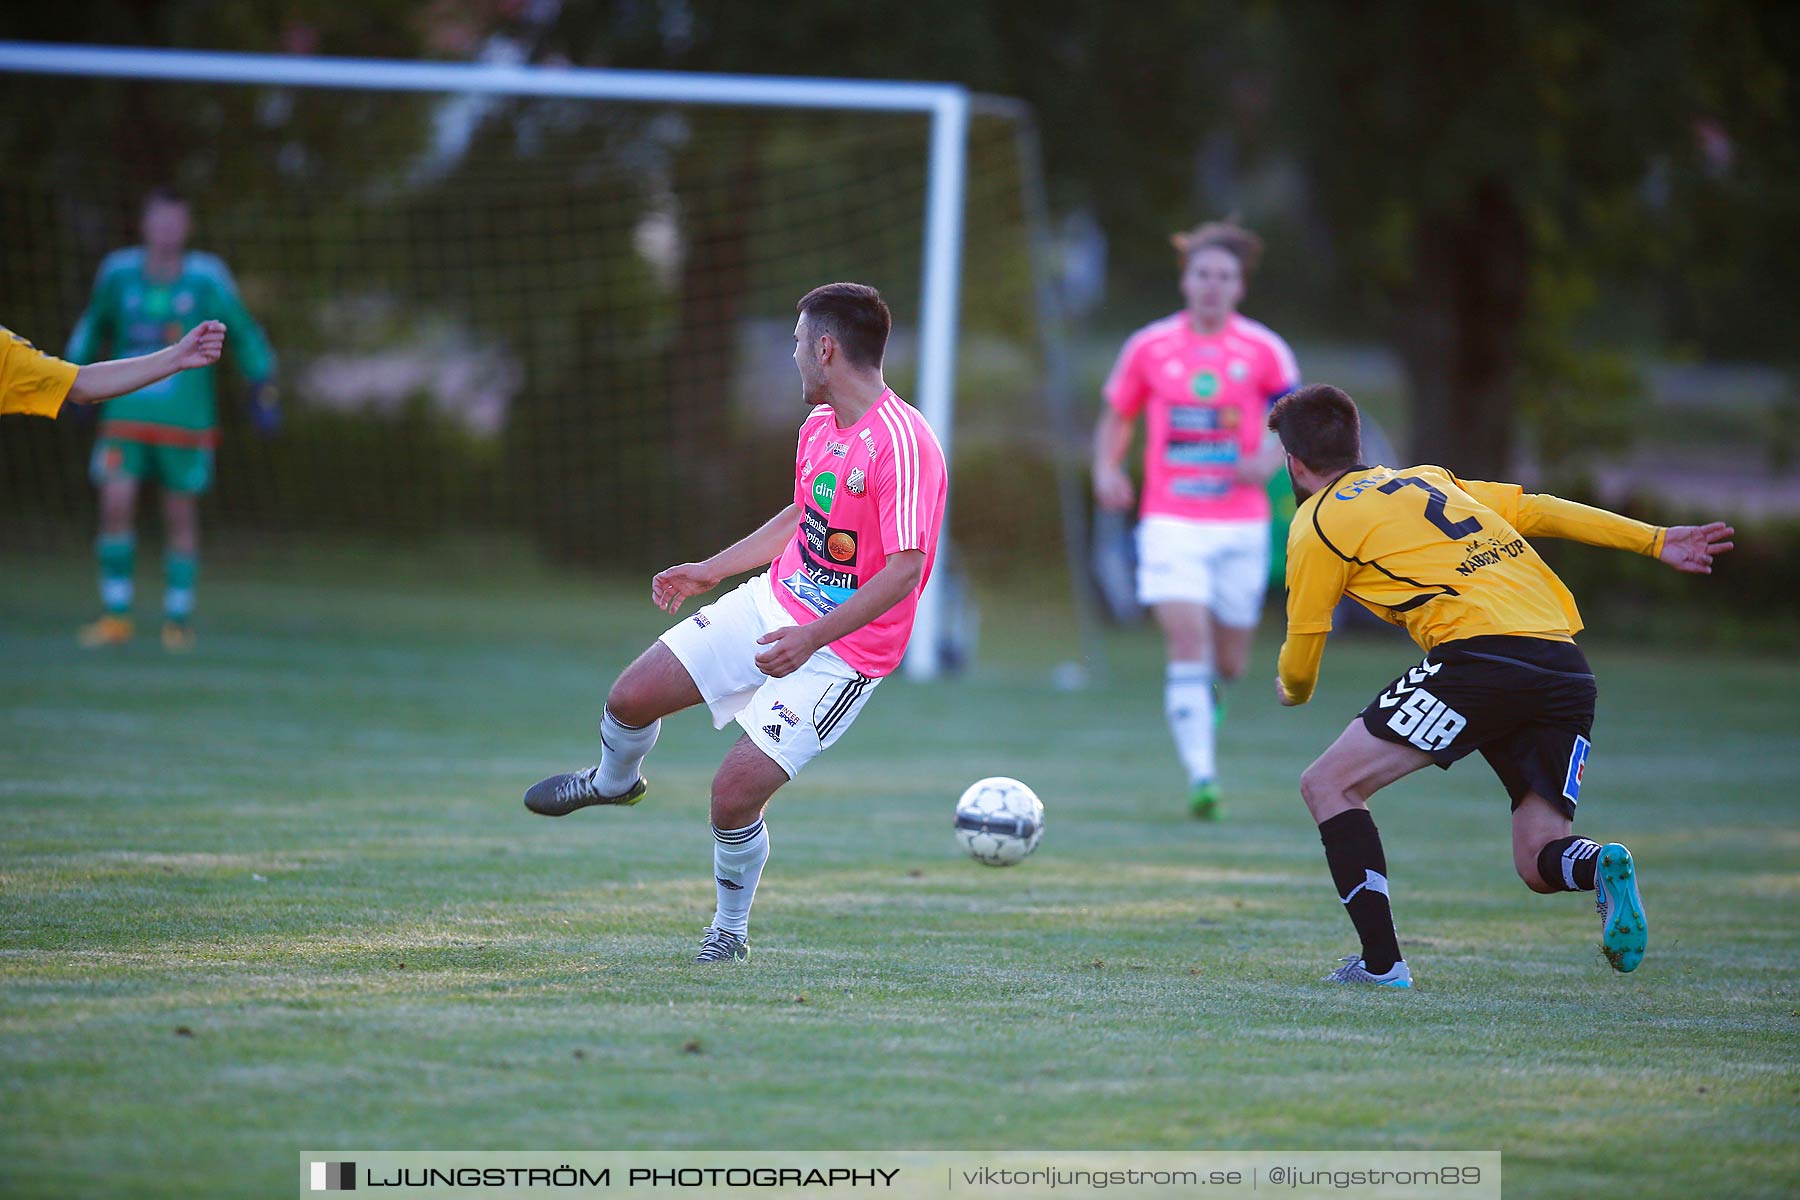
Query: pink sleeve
{"points": [[1125, 390], [1283, 369], [909, 485]]}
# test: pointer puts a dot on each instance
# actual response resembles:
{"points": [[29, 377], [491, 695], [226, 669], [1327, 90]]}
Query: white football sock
{"points": [[1188, 703], [738, 858], [622, 750]]}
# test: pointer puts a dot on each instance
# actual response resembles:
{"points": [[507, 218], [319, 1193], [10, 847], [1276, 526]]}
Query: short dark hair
{"points": [[1225, 235], [1319, 426], [164, 195], [854, 314]]}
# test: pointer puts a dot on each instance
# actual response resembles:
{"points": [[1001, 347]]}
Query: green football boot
{"points": [[1623, 932], [1204, 801]]}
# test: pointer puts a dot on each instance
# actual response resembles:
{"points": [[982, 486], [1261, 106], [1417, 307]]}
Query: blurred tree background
{"points": [[1523, 202], [1517, 197]]}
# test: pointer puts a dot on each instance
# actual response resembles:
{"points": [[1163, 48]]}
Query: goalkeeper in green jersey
{"points": [[144, 299]]}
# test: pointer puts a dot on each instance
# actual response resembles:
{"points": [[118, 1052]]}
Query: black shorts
{"points": [[1527, 704]]}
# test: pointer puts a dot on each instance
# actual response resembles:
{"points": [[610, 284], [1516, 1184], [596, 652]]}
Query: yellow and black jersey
{"points": [[31, 381], [1444, 558]]}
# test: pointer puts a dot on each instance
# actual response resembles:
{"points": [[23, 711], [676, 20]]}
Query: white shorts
{"points": [[790, 719], [1223, 565]]}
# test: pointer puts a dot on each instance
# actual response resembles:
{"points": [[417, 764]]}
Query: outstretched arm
{"points": [[1552, 516], [671, 587], [104, 380], [1687, 548], [1692, 548]]}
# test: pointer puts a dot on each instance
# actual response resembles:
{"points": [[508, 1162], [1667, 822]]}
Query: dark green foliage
{"points": [[1524, 198], [1486, 167]]}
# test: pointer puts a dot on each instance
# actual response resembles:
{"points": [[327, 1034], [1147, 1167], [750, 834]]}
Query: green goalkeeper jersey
{"points": [[134, 314]]}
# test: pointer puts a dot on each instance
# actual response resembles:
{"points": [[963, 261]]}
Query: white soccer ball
{"points": [[999, 821]]}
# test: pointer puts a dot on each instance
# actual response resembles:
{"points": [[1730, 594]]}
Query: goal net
{"points": [[562, 318]]}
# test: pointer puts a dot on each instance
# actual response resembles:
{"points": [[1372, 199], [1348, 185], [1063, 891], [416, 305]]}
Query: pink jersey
{"points": [[1206, 398], [864, 493]]}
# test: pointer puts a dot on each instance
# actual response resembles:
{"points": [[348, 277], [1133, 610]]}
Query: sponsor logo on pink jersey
{"points": [[1204, 398], [883, 493]]}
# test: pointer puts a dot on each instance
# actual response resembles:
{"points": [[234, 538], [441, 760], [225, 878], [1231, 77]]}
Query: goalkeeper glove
{"points": [[265, 408]]}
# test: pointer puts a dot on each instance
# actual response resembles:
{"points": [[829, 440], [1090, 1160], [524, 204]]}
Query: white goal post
{"points": [[947, 106]]}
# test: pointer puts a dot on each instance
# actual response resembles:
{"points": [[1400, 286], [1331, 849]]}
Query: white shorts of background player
{"points": [[1220, 565]]}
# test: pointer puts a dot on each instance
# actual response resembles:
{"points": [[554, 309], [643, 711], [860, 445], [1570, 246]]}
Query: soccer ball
{"points": [[999, 821]]}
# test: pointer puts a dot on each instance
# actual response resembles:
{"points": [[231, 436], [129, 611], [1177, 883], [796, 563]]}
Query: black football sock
{"points": [[1567, 864], [1359, 868]]}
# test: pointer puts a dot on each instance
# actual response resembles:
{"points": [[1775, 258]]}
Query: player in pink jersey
{"points": [[793, 654], [1203, 380]]}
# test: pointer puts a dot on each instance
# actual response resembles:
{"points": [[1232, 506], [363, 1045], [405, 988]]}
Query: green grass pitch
{"points": [[281, 894]]}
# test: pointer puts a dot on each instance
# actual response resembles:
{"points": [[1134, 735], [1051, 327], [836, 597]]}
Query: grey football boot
{"points": [[560, 795], [721, 945], [1355, 971]]}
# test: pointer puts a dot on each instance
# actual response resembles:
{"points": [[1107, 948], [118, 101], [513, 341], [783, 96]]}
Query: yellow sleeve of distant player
{"points": [[1316, 578], [32, 382], [1552, 516]]}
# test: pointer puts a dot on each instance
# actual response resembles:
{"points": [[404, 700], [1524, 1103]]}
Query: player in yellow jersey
{"points": [[1449, 560], [33, 383]]}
